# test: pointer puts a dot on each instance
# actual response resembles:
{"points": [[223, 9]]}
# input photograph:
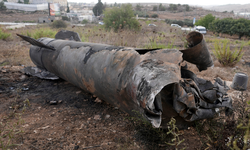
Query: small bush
{"points": [[3, 36], [65, 18], [2, 6], [154, 16], [225, 56], [59, 24], [42, 32], [84, 21]]}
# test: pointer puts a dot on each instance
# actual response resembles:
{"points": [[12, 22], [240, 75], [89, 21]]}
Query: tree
{"points": [[187, 8], [19, 2], [205, 21], [155, 8], [5, 0], [138, 7], [241, 27], [68, 8], [119, 18], [2, 6], [172, 7], [26, 1], [162, 8], [98, 8], [154, 16]]}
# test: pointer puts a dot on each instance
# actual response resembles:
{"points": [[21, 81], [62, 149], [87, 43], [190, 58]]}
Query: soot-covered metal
{"points": [[151, 83]]}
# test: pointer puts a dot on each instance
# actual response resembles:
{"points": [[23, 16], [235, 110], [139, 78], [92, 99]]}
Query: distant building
{"points": [[47, 19], [86, 17], [26, 7], [61, 2]]}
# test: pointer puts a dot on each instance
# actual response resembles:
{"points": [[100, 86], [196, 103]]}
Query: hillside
{"points": [[230, 7]]}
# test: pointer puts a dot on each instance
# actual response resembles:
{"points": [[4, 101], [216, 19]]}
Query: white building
{"points": [[26, 7], [86, 17], [61, 2]]}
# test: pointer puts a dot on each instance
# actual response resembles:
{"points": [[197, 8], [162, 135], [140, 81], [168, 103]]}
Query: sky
{"points": [[191, 2]]}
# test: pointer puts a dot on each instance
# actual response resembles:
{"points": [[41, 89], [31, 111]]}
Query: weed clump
{"points": [[59, 24], [3, 35], [42, 32], [225, 56]]}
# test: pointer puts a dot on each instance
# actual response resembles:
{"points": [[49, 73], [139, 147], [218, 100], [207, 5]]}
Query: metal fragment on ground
{"points": [[151, 84]]}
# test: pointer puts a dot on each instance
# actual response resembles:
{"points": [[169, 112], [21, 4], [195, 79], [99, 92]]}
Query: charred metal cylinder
{"points": [[197, 53], [149, 84]]}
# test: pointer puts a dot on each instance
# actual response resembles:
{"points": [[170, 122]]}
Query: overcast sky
{"points": [[191, 2]]}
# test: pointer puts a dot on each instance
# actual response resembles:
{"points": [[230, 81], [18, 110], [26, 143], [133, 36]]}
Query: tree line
{"points": [[240, 27]]}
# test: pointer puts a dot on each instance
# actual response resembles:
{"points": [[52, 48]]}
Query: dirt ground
{"points": [[58, 115], [62, 116], [19, 16]]}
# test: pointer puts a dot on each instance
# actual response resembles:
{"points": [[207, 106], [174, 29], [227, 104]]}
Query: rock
{"points": [[78, 92], [97, 117], [22, 77], [53, 102], [44, 127], [107, 116], [25, 89], [97, 100]]}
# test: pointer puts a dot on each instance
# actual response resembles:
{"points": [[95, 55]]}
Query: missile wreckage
{"points": [[151, 83]]}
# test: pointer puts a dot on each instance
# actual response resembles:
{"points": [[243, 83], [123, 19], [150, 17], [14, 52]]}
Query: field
{"points": [[47, 114]]}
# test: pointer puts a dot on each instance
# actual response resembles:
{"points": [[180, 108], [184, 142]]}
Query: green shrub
{"points": [[3, 35], [42, 32], [120, 18], [226, 56], [59, 24], [65, 18], [205, 21], [2, 6], [84, 21], [186, 22], [154, 16]]}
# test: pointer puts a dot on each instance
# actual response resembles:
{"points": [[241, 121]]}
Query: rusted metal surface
{"points": [[153, 84], [197, 53]]}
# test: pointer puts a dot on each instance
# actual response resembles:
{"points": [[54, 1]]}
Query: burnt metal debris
{"points": [[150, 83]]}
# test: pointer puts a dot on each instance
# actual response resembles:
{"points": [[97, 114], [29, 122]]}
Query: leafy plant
{"points": [[120, 18], [84, 21], [241, 141], [42, 32], [65, 18], [205, 21], [98, 8], [2, 6], [173, 130], [3, 35], [226, 56], [59, 24], [240, 27], [154, 16]]}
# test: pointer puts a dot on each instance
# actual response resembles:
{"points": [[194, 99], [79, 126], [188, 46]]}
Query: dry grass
{"points": [[14, 51]]}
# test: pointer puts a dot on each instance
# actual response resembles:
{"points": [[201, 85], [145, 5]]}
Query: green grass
{"points": [[42, 32], [225, 56], [3, 35]]}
